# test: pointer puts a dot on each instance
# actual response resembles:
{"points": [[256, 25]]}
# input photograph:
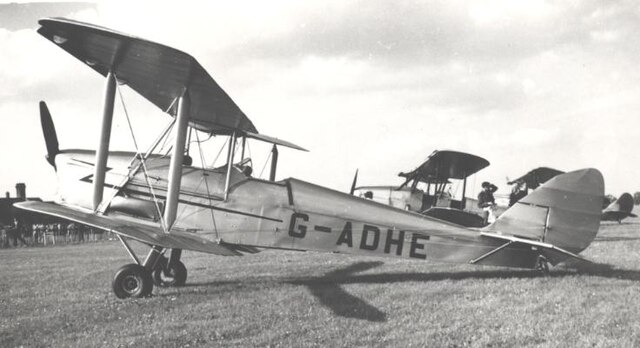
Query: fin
{"points": [[564, 212]]}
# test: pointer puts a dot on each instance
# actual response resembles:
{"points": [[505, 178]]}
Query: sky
{"points": [[370, 85]]}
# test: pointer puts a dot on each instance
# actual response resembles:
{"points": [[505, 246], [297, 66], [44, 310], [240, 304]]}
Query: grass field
{"points": [[61, 296]]}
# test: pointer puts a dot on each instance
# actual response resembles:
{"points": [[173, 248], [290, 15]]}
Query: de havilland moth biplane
{"points": [[167, 204], [536, 177], [427, 189], [618, 210]]}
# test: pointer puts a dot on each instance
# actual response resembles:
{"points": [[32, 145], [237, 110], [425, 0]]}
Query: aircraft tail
{"points": [[619, 209], [564, 212]]}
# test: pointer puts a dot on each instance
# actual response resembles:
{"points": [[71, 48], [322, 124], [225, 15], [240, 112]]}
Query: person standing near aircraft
{"points": [[518, 192], [487, 202], [15, 233]]}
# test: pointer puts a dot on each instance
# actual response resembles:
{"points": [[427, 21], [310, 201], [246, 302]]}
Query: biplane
{"points": [[536, 177], [429, 188], [617, 210], [165, 202]]}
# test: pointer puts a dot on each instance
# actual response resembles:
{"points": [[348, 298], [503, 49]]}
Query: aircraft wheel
{"points": [[542, 265], [171, 275], [132, 280]]}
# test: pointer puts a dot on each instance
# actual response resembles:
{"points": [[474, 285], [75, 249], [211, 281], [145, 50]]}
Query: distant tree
{"points": [[608, 199], [636, 198]]}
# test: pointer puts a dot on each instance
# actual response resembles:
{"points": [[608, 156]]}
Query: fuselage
{"points": [[288, 214]]}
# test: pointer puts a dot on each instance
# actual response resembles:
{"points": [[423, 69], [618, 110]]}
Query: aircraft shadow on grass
{"points": [[328, 291]]}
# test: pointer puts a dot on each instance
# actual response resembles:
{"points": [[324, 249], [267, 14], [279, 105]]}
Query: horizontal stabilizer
{"points": [[147, 234], [553, 253]]}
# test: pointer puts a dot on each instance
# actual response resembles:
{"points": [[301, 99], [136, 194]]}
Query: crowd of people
{"points": [[19, 234]]}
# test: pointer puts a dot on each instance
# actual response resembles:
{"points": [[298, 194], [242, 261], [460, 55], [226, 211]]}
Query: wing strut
{"points": [[128, 249], [464, 192], [274, 163], [492, 252], [206, 183], [175, 167], [105, 136], [230, 154]]}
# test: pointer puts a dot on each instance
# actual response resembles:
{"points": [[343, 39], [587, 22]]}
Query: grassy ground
{"points": [[61, 296]]}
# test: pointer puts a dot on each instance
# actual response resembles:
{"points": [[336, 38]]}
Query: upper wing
{"points": [[131, 229], [159, 73], [275, 141], [443, 165], [537, 177]]}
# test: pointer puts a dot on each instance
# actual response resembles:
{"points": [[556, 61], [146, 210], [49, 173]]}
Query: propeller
{"points": [[353, 184], [49, 131]]}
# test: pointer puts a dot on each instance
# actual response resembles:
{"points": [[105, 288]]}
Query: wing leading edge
{"points": [[130, 229]]}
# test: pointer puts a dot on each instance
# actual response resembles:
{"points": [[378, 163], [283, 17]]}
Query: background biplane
{"points": [[168, 204], [432, 188], [617, 210], [536, 177]]}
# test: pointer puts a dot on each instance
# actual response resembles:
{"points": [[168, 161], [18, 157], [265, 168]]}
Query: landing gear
{"points": [[132, 280], [137, 279], [542, 265], [168, 273]]}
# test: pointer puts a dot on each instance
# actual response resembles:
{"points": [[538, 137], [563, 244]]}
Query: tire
{"points": [[542, 265], [132, 280], [175, 275]]}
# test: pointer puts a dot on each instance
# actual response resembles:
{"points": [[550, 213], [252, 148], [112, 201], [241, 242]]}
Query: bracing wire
{"points": [[164, 143], [218, 155], [202, 141], [189, 140], [249, 150], [142, 161], [265, 164], [206, 183]]}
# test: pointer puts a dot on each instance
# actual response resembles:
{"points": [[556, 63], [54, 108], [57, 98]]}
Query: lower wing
{"points": [[131, 229]]}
